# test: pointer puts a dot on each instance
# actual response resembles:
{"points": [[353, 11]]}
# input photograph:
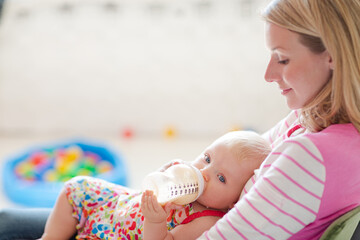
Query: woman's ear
{"points": [[331, 62]]}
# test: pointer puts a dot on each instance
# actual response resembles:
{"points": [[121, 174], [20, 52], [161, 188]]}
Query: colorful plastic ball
{"points": [[35, 177], [61, 165]]}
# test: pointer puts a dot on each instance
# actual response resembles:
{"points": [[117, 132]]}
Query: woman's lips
{"points": [[285, 91]]}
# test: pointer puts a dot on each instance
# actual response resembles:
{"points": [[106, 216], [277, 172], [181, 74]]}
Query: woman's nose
{"points": [[271, 74]]}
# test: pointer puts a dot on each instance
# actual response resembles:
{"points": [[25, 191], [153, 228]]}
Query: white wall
{"points": [[98, 66]]}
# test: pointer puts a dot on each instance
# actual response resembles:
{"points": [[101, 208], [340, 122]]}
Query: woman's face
{"points": [[300, 73]]}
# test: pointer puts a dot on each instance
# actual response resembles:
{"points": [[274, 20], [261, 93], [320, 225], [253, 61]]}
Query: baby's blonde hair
{"points": [[246, 146], [332, 25]]}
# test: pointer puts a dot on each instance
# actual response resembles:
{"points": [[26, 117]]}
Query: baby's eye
{"points": [[207, 158], [221, 178]]}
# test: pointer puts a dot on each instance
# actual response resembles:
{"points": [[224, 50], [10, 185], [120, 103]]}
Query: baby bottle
{"points": [[180, 184]]}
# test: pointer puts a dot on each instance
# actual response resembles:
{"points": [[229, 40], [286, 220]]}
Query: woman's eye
{"points": [[221, 178], [284, 62], [207, 158]]}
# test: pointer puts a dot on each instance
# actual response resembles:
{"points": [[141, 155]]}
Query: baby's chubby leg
{"points": [[60, 224]]}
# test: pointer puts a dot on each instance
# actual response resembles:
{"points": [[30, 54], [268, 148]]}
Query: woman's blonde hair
{"points": [[332, 25]]}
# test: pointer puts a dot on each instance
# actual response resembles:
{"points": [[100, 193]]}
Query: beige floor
{"points": [[142, 155]]}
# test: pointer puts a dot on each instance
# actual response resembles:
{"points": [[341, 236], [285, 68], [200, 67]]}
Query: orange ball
{"points": [[127, 133]]}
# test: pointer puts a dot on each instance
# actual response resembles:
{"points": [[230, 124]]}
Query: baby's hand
{"points": [[169, 164], [152, 210]]}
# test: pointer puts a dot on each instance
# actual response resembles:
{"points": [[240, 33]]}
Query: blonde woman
{"points": [[311, 177]]}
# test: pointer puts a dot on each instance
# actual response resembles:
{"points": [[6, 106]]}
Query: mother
{"points": [[312, 175]]}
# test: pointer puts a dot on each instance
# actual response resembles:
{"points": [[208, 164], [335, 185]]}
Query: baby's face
{"points": [[224, 175]]}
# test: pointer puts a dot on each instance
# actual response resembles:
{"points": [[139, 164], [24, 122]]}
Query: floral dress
{"points": [[109, 211]]}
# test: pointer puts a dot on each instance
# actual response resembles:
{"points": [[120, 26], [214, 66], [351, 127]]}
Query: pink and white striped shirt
{"points": [[307, 181]]}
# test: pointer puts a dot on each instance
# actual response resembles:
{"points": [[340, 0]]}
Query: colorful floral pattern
{"points": [[109, 211]]}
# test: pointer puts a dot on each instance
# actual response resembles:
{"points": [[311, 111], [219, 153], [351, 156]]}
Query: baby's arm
{"points": [[155, 218], [155, 222]]}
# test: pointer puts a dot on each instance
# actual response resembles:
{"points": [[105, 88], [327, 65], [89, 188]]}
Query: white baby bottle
{"points": [[180, 184]]}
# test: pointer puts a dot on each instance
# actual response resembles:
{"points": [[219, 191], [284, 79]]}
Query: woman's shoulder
{"points": [[346, 130], [333, 134], [333, 142], [337, 140]]}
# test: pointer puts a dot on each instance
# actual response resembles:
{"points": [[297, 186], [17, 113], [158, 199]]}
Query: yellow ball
{"points": [[170, 132], [51, 176]]}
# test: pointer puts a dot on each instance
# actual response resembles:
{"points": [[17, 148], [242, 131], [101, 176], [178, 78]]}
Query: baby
{"points": [[97, 209]]}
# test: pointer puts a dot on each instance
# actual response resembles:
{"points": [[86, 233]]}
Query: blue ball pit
{"points": [[44, 194]]}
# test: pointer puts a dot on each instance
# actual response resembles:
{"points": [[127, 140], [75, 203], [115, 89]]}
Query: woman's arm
{"points": [[285, 198]]}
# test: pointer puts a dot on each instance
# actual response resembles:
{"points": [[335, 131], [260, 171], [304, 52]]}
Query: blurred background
{"points": [[153, 79]]}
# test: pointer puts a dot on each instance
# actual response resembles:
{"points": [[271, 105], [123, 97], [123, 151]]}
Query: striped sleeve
{"points": [[249, 184], [277, 134], [285, 198]]}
